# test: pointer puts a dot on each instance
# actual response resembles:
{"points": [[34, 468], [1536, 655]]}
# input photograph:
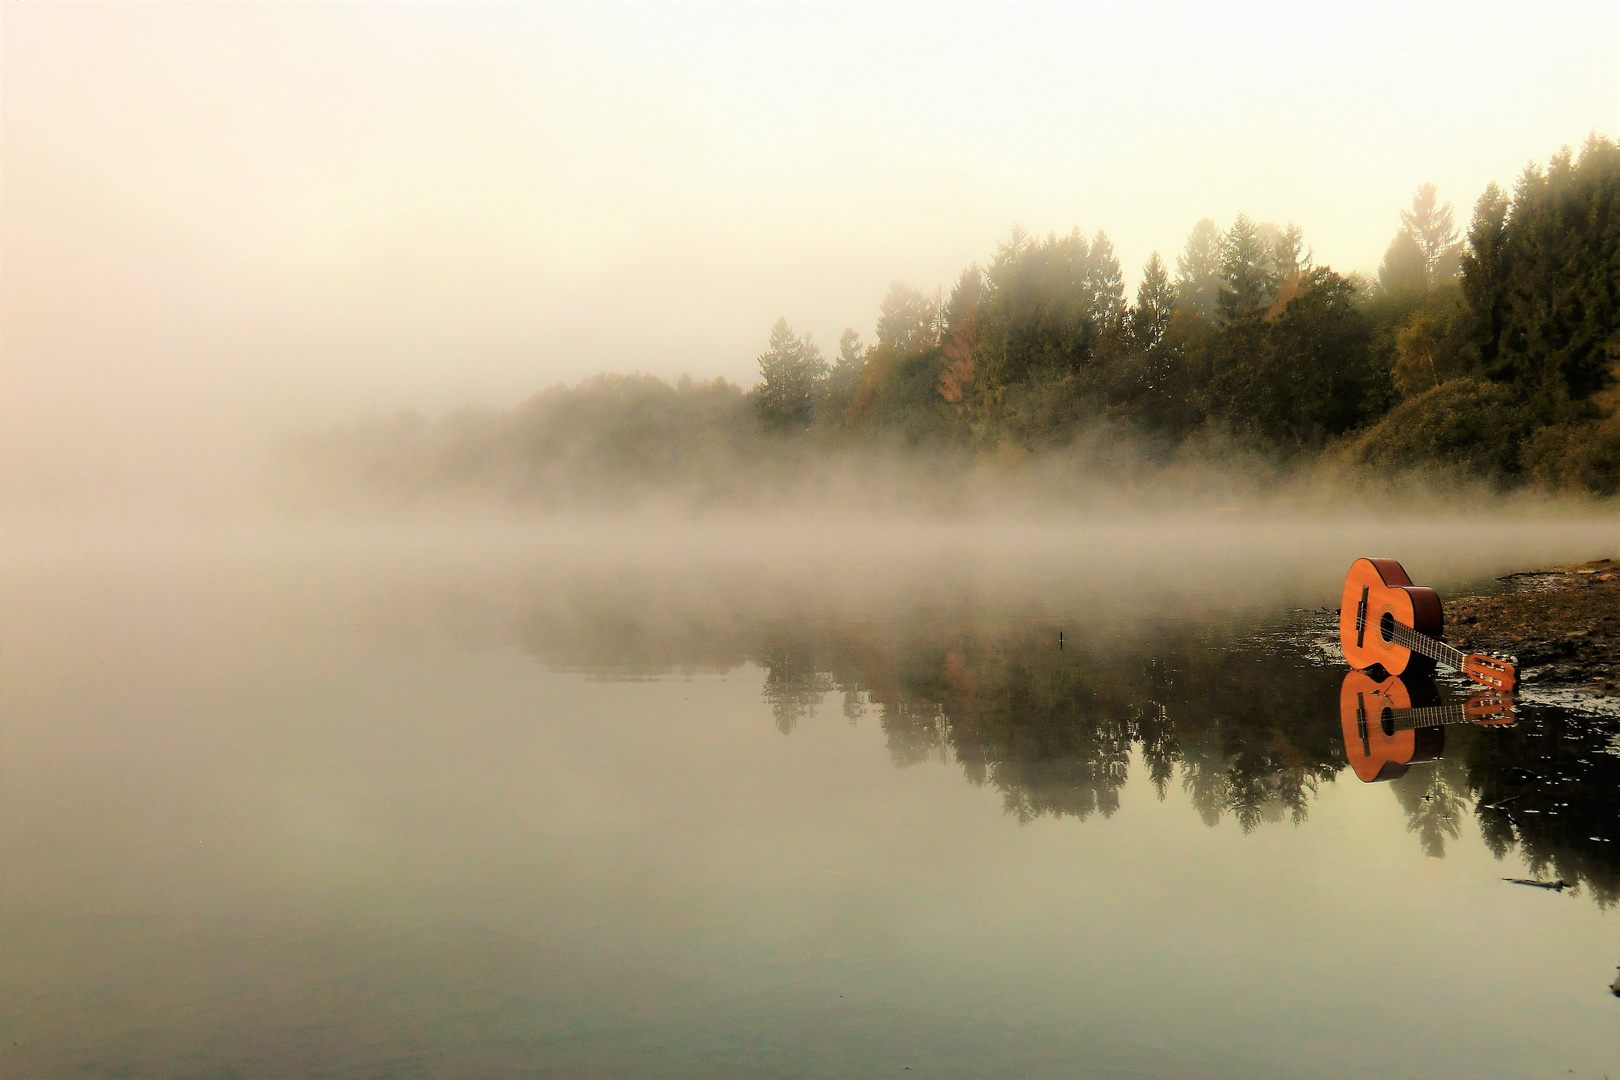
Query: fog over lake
{"points": [[801, 797], [793, 541]]}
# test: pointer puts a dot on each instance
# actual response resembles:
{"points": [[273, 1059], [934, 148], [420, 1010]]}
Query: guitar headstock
{"points": [[1499, 675], [1489, 707]]}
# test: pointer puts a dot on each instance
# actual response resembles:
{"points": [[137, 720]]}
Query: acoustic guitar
{"points": [[1386, 620], [1383, 734]]}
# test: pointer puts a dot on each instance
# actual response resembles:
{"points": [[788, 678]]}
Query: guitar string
{"points": [[1428, 716], [1418, 642], [1437, 651], [1401, 634]]}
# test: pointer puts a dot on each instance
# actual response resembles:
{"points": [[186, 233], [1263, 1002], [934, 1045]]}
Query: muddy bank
{"points": [[1563, 623]]}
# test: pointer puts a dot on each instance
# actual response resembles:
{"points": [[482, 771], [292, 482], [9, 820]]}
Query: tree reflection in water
{"points": [[1243, 716], [1053, 729], [1246, 721]]}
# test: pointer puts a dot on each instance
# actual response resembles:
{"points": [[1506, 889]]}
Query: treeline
{"points": [[1490, 353]]}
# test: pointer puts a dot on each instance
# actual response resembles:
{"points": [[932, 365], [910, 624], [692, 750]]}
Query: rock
{"points": [[1563, 623]]}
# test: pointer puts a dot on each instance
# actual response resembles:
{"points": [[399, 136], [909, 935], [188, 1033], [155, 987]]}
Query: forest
{"points": [[1489, 353]]}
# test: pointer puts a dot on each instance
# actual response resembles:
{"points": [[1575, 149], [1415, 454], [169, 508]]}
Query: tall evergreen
{"points": [[1198, 271], [1430, 225], [907, 320], [1248, 271], [1155, 302], [1105, 283], [1290, 257], [845, 374], [1542, 280], [791, 371], [1040, 316], [1404, 271], [1289, 383], [1426, 251], [1484, 276]]}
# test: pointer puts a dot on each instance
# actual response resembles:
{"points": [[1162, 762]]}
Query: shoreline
{"points": [[1562, 622]]}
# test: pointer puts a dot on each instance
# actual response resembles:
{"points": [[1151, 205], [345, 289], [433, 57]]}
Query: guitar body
{"points": [[1377, 591], [1376, 748]]}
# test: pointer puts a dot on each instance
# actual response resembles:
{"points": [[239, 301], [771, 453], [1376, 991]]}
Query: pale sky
{"points": [[232, 218]]}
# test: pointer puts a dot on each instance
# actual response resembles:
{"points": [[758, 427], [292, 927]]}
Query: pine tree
{"points": [[1554, 296], [1247, 271], [1105, 283], [1430, 225], [1484, 275], [1039, 315], [851, 362], [1198, 271], [907, 320], [1426, 251], [1155, 302], [792, 372], [1290, 257], [1404, 270]]}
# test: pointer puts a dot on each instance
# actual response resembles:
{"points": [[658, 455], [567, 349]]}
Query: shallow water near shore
{"points": [[796, 798]]}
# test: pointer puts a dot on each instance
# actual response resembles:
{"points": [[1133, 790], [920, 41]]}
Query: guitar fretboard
{"points": [[1424, 645], [1432, 716], [1393, 720]]}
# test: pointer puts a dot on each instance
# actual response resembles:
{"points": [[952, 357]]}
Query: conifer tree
{"points": [[1038, 314], [1484, 276], [907, 320], [846, 372], [791, 370], [1105, 282], [1155, 302], [1429, 223], [1247, 271], [1198, 271], [1290, 257], [1556, 291], [1404, 270]]}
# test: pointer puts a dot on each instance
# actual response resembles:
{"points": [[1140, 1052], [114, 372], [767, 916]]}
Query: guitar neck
{"points": [[1424, 645], [1433, 716]]}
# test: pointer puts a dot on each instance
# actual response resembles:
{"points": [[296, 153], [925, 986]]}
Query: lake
{"points": [[785, 798]]}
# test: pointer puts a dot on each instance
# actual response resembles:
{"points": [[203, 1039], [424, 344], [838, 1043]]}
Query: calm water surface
{"points": [[805, 800]]}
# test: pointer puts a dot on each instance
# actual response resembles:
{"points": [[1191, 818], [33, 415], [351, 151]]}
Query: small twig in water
{"points": [[1556, 885]]}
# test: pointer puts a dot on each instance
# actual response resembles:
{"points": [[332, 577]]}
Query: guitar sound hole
{"points": [[1386, 627]]}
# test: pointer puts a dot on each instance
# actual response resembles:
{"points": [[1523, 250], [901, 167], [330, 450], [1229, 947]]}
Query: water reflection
{"points": [[1050, 714], [474, 821], [1392, 722]]}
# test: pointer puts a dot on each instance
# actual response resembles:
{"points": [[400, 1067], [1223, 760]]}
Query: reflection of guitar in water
{"points": [[1387, 621], [1383, 733]]}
